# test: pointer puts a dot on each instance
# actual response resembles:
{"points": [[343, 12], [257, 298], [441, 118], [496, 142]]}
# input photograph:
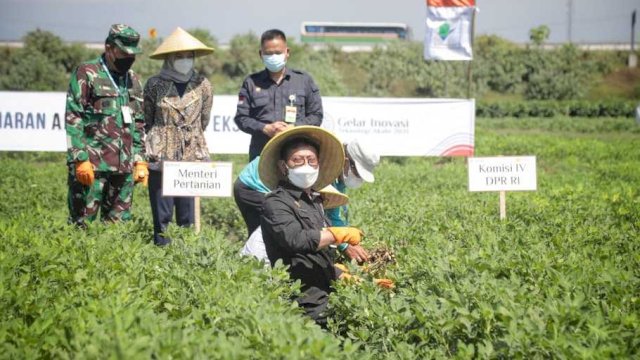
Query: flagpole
{"points": [[633, 58], [469, 67]]}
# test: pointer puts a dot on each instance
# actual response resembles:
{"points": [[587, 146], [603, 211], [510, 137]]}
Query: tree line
{"points": [[500, 69]]}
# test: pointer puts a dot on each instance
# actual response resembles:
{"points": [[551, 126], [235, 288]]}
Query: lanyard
{"points": [[126, 79]]}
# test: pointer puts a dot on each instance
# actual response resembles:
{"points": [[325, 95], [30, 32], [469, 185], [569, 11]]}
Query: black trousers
{"points": [[314, 301], [162, 209], [249, 202]]}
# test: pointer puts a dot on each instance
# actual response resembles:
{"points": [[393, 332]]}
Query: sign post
{"points": [[503, 205], [196, 213], [197, 179], [517, 173]]}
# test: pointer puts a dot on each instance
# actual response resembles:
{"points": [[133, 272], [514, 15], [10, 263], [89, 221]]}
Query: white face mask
{"points": [[352, 181], [183, 65], [303, 177], [275, 62]]}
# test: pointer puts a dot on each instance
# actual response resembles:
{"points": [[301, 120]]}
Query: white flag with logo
{"points": [[449, 30]]}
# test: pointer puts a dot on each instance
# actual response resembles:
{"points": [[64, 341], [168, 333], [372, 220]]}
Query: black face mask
{"points": [[124, 64]]}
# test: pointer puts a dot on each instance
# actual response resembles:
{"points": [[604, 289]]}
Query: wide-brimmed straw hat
{"points": [[332, 198], [330, 155], [178, 41]]}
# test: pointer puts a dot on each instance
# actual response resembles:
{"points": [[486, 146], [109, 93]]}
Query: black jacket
{"points": [[261, 102], [291, 224]]}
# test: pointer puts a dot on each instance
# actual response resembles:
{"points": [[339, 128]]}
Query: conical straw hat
{"points": [[180, 40]]}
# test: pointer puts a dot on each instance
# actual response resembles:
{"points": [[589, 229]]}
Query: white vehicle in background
{"points": [[351, 35]]}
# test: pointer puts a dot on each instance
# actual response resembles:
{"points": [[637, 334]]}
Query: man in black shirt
{"points": [[296, 163], [277, 97]]}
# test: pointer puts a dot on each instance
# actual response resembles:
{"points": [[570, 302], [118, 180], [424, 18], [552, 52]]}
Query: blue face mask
{"points": [[275, 62]]}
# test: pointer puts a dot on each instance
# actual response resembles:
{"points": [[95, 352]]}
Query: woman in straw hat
{"points": [[295, 163], [177, 104]]}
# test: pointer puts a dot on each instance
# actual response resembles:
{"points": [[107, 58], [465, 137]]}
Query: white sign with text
{"points": [[516, 173], [190, 179]]}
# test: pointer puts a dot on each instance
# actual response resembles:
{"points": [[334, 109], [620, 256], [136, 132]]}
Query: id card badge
{"points": [[290, 113], [126, 114]]}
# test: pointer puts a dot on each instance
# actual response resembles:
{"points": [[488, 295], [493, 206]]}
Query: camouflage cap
{"points": [[125, 38]]}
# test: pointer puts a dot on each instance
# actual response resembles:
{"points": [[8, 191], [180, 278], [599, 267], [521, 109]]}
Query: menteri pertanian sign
{"points": [[206, 179], [34, 121]]}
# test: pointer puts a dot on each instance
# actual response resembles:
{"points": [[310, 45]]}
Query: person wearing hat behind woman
{"points": [[295, 164], [359, 163], [177, 106]]}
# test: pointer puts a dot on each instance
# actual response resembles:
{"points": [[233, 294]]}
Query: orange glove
{"points": [[141, 173], [84, 173], [349, 235], [384, 283]]}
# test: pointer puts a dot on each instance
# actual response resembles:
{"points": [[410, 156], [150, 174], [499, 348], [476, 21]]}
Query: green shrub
{"points": [[110, 292], [393, 70], [536, 285], [500, 63], [557, 279], [555, 74], [43, 64], [547, 109]]}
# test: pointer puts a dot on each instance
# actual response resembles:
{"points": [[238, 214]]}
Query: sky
{"points": [[593, 21]]}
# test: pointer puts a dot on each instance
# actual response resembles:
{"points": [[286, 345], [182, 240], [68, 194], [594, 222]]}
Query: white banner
{"points": [[34, 121], [404, 127]]}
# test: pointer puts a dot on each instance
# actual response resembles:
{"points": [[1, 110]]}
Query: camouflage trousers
{"points": [[111, 193]]}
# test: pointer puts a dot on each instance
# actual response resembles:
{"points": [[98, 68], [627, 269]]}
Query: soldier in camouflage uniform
{"points": [[105, 132]]}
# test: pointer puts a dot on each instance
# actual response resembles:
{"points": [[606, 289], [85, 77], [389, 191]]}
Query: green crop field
{"points": [[559, 278]]}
